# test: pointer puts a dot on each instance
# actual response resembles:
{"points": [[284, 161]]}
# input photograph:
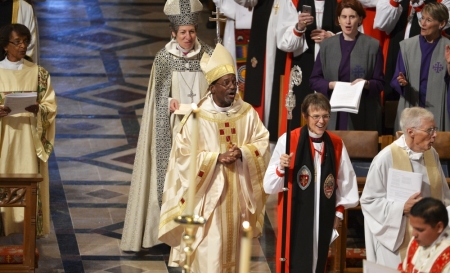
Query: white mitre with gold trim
{"points": [[219, 64], [183, 12]]}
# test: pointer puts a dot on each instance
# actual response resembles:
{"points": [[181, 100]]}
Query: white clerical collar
{"points": [[401, 142], [314, 135], [173, 48], [6, 64], [220, 109]]}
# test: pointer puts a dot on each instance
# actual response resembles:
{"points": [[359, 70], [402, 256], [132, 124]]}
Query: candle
{"points": [[193, 162], [246, 248]]}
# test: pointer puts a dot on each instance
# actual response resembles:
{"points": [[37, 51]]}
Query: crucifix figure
{"points": [[219, 18]]}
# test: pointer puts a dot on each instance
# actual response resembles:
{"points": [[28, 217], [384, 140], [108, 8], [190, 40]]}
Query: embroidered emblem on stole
{"points": [[438, 67], [328, 186], [304, 177], [358, 72]]}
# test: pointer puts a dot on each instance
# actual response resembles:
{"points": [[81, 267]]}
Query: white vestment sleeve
{"points": [[347, 188], [246, 3], [386, 16], [228, 8], [286, 39], [384, 218], [27, 18], [272, 182]]}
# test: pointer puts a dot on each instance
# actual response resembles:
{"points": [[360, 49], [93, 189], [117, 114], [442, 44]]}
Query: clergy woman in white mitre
{"points": [[175, 80], [26, 135]]}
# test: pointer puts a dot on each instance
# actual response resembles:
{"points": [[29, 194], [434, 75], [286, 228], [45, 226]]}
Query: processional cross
{"points": [[220, 17]]}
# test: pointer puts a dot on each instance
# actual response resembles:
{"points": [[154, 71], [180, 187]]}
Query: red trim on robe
{"points": [[295, 137], [394, 4], [278, 172]]}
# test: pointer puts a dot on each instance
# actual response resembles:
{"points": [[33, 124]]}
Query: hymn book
{"points": [[17, 102], [346, 97]]}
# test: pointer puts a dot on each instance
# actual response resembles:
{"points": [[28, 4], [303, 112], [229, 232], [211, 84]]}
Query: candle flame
{"points": [[245, 224]]}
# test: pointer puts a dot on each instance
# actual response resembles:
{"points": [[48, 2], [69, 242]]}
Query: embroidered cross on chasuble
{"points": [[227, 135]]}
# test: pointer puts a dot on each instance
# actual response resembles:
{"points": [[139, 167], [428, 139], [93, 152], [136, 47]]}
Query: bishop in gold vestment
{"points": [[233, 153]]}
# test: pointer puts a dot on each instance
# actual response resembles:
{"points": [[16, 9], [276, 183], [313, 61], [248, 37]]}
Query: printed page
{"points": [[371, 267], [346, 97], [401, 185], [18, 101]]}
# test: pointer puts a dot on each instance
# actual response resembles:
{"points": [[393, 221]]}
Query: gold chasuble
{"points": [[226, 194], [26, 140], [401, 161]]}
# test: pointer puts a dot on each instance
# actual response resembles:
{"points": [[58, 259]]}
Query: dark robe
{"points": [[327, 214]]}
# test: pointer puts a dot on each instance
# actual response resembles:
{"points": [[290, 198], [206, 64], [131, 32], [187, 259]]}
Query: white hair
{"points": [[412, 117]]}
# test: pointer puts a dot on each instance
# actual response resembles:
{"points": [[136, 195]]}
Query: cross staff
{"points": [[217, 19], [294, 79]]}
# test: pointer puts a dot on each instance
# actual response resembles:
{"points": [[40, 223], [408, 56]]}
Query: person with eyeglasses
{"points": [[322, 183], [231, 158], [386, 222], [27, 137], [422, 72], [21, 12]]}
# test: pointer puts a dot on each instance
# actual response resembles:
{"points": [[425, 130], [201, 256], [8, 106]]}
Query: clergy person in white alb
{"points": [[233, 152], [386, 224], [322, 183]]}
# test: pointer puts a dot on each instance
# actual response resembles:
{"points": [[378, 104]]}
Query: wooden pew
{"points": [[361, 146], [20, 190]]}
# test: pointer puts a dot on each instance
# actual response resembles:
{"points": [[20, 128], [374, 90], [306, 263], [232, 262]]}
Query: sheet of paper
{"points": [[18, 101], [184, 109], [334, 235], [243, 17], [371, 267], [401, 185], [346, 97]]}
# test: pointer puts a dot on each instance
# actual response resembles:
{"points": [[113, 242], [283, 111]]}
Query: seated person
{"points": [[429, 249]]}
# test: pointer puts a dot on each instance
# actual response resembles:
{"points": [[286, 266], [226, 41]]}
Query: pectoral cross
{"points": [[276, 7], [219, 18], [192, 95]]}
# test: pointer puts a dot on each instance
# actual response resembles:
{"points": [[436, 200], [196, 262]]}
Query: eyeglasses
{"points": [[317, 117], [426, 19], [18, 43], [228, 83], [430, 131]]}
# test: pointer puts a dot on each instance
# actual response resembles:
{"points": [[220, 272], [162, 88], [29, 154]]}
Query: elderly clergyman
{"points": [[233, 153], [387, 229]]}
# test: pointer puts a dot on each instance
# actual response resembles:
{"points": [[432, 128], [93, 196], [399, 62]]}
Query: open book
{"points": [[346, 97], [17, 102]]}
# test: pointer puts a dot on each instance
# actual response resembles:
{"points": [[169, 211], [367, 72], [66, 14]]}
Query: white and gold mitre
{"points": [[183, 12], [219, 64]]}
